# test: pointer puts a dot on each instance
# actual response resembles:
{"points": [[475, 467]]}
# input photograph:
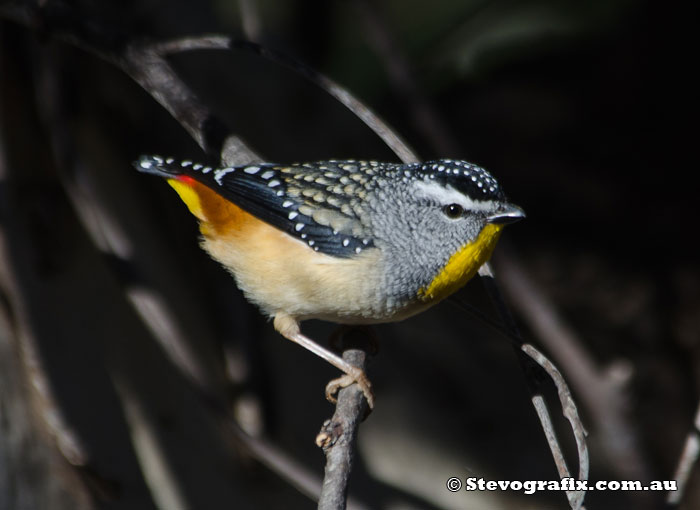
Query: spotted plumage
{"points": [[353, 242], [323, 204]]}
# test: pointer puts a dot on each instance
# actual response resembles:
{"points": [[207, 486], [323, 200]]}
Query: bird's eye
{"points": [[453, 211]]}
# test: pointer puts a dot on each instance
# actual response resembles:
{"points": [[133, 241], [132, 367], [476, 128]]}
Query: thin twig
{"points": [[534, 382], [570, 412], [602, 393], [689, 457]]}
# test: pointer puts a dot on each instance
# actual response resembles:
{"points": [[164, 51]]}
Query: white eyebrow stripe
{"points": [[449, 195]]}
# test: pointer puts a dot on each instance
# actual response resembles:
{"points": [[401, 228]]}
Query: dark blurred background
{"points": [[113, 324]]}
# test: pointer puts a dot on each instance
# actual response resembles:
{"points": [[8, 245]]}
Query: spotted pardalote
{"points": [[353, 242]]}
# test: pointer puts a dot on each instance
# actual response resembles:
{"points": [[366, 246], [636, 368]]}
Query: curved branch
{"points": [[534, 363], [357, 107]]}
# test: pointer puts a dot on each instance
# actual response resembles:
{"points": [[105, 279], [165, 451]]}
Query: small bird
{"points": [[346, 241]]}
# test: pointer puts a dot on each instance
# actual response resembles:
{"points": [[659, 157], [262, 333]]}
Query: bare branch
{"points": [[689, 457], [601, 391], [338, 436], [533, 381], [571, 413]]}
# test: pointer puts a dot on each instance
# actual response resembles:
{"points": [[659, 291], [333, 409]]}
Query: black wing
{"points": [[319, 203]]}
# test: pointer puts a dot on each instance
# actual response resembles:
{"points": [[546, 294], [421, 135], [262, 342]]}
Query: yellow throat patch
{"points": [[463, 265]]}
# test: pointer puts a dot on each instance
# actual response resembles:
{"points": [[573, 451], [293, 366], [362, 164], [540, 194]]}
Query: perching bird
{"points": [[351, 242]]}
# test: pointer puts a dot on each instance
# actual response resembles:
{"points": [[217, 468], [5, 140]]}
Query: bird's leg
{"points": [[288, 327]]}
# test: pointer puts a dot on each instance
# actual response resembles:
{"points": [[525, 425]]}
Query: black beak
{"points": [[508, 213]]}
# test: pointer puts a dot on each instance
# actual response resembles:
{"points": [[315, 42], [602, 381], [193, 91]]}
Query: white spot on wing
{"points": [[251, 170], [219, 174]]}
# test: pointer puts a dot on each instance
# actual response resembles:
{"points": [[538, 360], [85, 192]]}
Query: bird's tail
{"points": [[163, 167], [180, 175], [195, 185]]}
